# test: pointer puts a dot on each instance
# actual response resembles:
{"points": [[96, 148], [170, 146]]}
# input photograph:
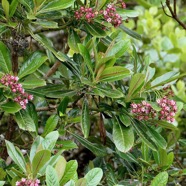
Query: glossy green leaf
{"points": [[10, 107], [60, 167], [93, 177], [125, 119], [67, 144], [63, 106], [39, 160], [13, 7], [157, 138], [136, 83], [164, 124], [51, 176], [5, 60], [95, 30], [117, 49], [124, 13], [70, 183], [87, 60], [112, 93], [70, 170], [56, 5], [16, 155], [25, 121], [51, 124], [123, 137], [81, 182], [100, 4], [85, 119], [73, 40], [130, 32], [114, 73], [46, 24], [97, 149], [50, 140], [161, 179], [32, 64]]}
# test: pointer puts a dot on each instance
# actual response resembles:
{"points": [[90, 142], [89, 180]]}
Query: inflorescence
{"points": [[26, 182], [19, 94], [144, 110], [110, 14]]}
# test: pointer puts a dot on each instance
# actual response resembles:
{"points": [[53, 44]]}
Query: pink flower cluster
{"points": [[111, 16], [20, 96], [122, 4], [85, 13], [168, 109], [143, 111], [25, 182]]}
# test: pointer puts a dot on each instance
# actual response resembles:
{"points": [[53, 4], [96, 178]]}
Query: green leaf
{"points": [[81, 182], [39, 160], [70, 170], [13, 7], [73, 40], [97, 149], [50, 140], [112, 93], [161, 179], [63, 106], [114, 73], [124, 13], [60, 167], [2, 183], [5, 59], [32, 64], [46, 24], [136, 83], [130, 32], [51, 124], [10, 107], [85, 119], [93, 177], [56, 5], [6, 7], [16, 155], [25, 121], [157, 138], [86, 56], [95, 30], [141, 130], [32, 81], [123, 137], [100, 4], [70, 183], [67, 144], [117, 49], [51, 176], [125, 119]]}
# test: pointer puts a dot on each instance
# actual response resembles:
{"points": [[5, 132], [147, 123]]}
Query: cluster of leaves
{"points": [[86, 86]]}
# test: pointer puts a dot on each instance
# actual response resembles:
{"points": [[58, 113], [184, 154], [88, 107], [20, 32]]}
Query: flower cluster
{"points": [[143, 111], [168, 109], [26, 182], [168, 92], [111, 16], [20, 96], [85, 13], [122, 4]]}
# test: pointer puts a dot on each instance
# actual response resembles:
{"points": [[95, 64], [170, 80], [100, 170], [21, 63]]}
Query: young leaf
{"points": [[6, 7], [136, 83], [16, 156], [160, 180], [51, 124], [60, 167], [51, 176], [70, 170], [81, 182], [32, 64], [98, 150], [70, 183], [5, 59], [39, 160], [114, 73], [93, 177], [13, 7], [73, 40], [123, 137], [85, 119]]}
